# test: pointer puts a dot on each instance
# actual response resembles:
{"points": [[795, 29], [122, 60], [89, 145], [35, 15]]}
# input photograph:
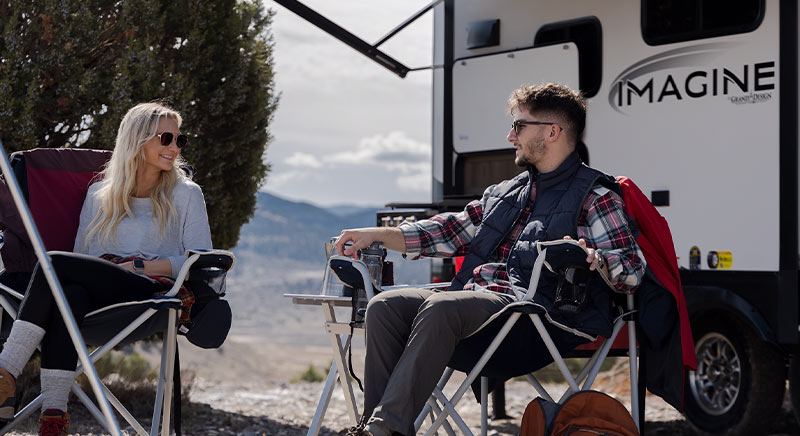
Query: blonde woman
{"points": [[144, 213]]}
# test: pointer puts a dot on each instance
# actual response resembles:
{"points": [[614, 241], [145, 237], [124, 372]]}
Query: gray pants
{"points": [[411, 336]]}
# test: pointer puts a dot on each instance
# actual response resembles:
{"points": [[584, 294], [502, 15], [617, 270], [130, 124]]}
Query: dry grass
{"points": [[127, 375]]}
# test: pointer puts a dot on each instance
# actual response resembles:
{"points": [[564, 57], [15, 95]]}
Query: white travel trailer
{"points": [[696, 101]]}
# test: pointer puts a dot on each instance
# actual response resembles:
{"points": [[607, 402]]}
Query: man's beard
{"points": [[537, 149]]}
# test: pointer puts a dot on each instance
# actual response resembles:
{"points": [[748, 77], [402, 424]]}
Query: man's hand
{"points": [[594, 258], [392, 238]]}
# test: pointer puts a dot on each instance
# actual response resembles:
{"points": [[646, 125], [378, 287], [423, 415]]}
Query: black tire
{"points": [[739, 383], [794, 386]]}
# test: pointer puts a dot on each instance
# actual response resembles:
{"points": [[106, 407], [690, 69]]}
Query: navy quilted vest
{"points": [[559, 197]]}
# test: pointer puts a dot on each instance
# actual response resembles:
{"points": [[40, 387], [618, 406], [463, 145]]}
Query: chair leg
{"points": [[462, 389], [632, 361], [125, 413], [448, 372], [641, 385], [484, 406], [164, 400], [8, 307], [89, 404], [23, 414], [164, 374], [551, 347], [435, 410], [599, 357], [324, 401], [448, 410], [172, 333], [539, 388]]}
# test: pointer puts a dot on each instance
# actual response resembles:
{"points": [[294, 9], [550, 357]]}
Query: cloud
{"points": [[359, 148], [394, 151], [420, 182], [406, 160], [305, 160], [278, 179], [398, 169]]}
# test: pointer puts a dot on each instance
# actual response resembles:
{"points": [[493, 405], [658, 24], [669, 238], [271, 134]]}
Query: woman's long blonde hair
{"points": [[118, 182]]}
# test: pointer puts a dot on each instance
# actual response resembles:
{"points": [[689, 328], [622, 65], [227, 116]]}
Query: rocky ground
{"points": [[276, 408], [244, 387], [286, 409]]}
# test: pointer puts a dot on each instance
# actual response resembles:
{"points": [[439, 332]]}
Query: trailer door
{"points": [[482, 85]]}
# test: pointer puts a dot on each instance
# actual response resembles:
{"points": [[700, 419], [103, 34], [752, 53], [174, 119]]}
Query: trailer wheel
{"points": [[739, 382], [794, 386]]}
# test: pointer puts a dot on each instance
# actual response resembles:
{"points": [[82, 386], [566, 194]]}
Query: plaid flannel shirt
{"points": [[601, 222]]}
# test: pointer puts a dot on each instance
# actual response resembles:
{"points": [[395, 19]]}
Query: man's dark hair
{"points": [[565, 106]]}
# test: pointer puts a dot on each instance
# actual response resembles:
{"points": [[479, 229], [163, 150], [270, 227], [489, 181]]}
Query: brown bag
{"points": [[586, 413]]}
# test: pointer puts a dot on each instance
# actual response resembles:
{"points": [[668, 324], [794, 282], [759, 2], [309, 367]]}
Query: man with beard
{"points": [[412, 333]]}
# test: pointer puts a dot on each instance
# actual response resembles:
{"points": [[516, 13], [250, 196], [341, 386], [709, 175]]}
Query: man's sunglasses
{"points": [[518, 125], [166, 139]]}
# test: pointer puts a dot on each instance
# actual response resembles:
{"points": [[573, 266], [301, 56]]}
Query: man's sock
{"points": [[19, 346], [56, 384]]}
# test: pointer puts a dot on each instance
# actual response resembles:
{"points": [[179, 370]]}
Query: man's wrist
{"points": [[601, 263], [412, 242], [138, 266]]}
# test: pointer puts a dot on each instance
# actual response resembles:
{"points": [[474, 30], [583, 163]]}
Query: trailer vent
{"points": [[485, 33], [659, 198]]}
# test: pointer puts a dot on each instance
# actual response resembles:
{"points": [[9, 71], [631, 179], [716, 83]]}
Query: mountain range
{"points": [[298, 230], [281, 251]]}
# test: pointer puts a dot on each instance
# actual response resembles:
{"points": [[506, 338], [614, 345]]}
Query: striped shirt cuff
{"points": [[413, 241]]}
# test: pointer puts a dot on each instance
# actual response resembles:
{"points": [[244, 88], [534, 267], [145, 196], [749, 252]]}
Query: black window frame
{"points": [[587, 34], [696, 34]]}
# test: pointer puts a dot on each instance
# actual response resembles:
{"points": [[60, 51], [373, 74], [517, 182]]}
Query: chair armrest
{"points": [[352, 272], [440, 285], [221, 259], [196, 259], [156, 302]]}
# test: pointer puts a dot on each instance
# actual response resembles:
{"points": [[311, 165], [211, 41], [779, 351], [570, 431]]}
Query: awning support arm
{"points": [[408, 21], [358, 44]]}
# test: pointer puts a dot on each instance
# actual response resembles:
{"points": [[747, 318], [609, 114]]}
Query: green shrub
{"points": [[131, 367], [128, 376], [309, 375], [71, 69]]}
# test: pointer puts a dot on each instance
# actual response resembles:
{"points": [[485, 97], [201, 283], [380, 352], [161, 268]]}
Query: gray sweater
{"points": [[140, 236]]}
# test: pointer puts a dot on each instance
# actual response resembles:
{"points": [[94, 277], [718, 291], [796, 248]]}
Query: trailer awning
{"points": [[369, 50]]}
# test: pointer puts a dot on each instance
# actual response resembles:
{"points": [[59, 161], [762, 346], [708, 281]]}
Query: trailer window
{"points": [[587, 34], [668, 21], [475, 171]]}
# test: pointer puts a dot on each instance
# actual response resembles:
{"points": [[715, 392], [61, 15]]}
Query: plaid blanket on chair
{"points": [[184, 293]]}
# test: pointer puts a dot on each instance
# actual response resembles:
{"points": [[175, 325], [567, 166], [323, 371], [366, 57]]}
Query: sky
{"points": [[348, 131]]}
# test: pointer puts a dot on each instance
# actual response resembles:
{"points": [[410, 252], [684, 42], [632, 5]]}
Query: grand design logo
{"points": [[647, 81]]}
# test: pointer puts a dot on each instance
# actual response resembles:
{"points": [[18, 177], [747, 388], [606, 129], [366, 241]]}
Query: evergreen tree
{"points": [[69, 70]]}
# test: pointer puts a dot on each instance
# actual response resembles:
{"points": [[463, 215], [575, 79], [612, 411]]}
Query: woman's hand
{"points": [[127, 266]]}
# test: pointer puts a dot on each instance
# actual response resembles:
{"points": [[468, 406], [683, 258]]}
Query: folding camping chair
{"points": [[440, 408], [54, 183]]}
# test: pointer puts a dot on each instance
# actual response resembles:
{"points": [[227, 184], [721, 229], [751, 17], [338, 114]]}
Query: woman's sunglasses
{"points": [[166, 139]]}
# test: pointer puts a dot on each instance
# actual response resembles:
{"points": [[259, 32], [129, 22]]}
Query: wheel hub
{"points": [[717, 381]]}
